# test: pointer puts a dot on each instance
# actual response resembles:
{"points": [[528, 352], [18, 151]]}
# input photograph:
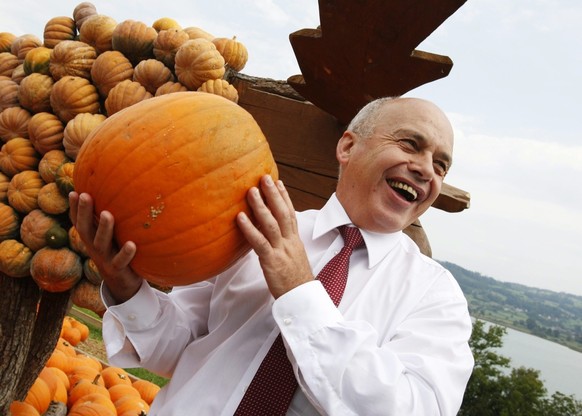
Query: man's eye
{"points": [[441, 168], [410, 143]]}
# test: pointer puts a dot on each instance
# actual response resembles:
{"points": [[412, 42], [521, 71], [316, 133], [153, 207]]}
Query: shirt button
{"points": [[131, 317], [287, 321]]}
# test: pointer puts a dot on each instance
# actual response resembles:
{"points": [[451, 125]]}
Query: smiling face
{"points": [[390, 178]]}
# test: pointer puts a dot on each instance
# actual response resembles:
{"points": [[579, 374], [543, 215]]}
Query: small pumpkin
{"points": [[125, 94], [195, 32], [131, 404], [56, 270], [82, 12], [235, 53], [72, 57], [81, 407], [22, 44], [113, 375], [18, 408], [18, 155], [109, 69], [220, 87], [58, 29], [39, 395], [147, 390], [34, 227], [37, 61], [73, 95], [15, 258], [49, 164], [87, 295], [45, 131], [8, 62], [134, 39], [77, 130], [196, 61], [35, 92], [190, 164], [91, 409], [57, 236], [164, 23], [152, 73], [6, 39], [64, 178], [8, 94], [14, 123], [52, 201], [23, 191], [97, 31], [57, 388], [84, 387], [118, 391], [170, 87], [76, 243], [167, 43], [91, 271]]}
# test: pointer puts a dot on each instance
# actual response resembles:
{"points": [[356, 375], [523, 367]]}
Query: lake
{"points": [[560, 367]]}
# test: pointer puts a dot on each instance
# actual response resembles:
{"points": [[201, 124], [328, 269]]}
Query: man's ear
{"points": [[344, 146]]}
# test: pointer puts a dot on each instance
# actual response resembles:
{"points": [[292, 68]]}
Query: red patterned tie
{"points": [[274, 384]]}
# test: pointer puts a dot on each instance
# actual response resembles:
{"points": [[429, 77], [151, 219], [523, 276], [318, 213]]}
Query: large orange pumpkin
{"points": [[174, 171]]}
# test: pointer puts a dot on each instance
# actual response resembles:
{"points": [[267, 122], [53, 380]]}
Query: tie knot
{"points": [[352, 236]]}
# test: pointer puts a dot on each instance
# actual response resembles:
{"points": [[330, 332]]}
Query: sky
{"points": [[512, 97]]}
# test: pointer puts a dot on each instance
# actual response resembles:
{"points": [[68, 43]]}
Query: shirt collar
{"points": [[333, 214]]}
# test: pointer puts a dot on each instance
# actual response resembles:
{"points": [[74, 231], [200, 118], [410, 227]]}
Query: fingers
{"points": [[275, 213]]}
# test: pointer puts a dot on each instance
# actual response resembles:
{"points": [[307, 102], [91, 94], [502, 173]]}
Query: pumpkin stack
{"points": [[53, 92], [84, 385]]}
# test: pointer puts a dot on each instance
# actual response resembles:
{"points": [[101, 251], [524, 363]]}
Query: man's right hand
{"points": [[112, 261]]}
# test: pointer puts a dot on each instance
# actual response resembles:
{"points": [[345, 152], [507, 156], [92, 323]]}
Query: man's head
{"points": [[393, 158]]}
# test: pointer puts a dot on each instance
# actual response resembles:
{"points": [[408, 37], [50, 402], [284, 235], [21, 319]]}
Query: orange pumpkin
{"points": [[49, 164], [73, 95], [4, 181], [56, 270], [15, 258], [18, 74], [82, 12], [14, 123], [22, 44], [97, 31], [91, 409], [147, 390], [22, 409], [95, 398], [109, 69], [18, 155], [196, 61], [125, 94], [84, 387], [6, 39], [220, 87], [45, 132], [34, 227], [58, 29], [235, 53], [175, 181], [131, 404], [52, 201], [77, 130], [113, 375], [35, 92], [170, 87], [167, 43], [134, 39], [37, 61], [86, 295], [23, 190], [152, 73], [164, 23], [39, 395], [72, 57]]}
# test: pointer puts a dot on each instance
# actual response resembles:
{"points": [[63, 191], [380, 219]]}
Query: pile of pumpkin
{"points": [[83, 384], [53, 93]]}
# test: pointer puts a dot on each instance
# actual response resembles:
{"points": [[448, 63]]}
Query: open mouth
{"points": [[407, 191]]}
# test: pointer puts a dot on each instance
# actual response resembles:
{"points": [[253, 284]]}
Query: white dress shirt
{"points": [[396, 345]]}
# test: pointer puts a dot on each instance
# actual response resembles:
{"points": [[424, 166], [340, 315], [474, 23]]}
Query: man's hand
{"points": [[112, 262], [275, 238]]}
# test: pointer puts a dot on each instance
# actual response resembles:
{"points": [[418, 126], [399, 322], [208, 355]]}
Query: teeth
{"points": [[406, 190]]}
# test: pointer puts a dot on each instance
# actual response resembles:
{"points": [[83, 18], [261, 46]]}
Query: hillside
{"points": [[555, 316]]}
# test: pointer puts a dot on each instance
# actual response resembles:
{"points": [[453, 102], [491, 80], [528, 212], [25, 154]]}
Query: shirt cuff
{"points": [[304, 310], [137, 312]]}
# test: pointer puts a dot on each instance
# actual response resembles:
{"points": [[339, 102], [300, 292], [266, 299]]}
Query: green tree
{"points": [[495, 390]]}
